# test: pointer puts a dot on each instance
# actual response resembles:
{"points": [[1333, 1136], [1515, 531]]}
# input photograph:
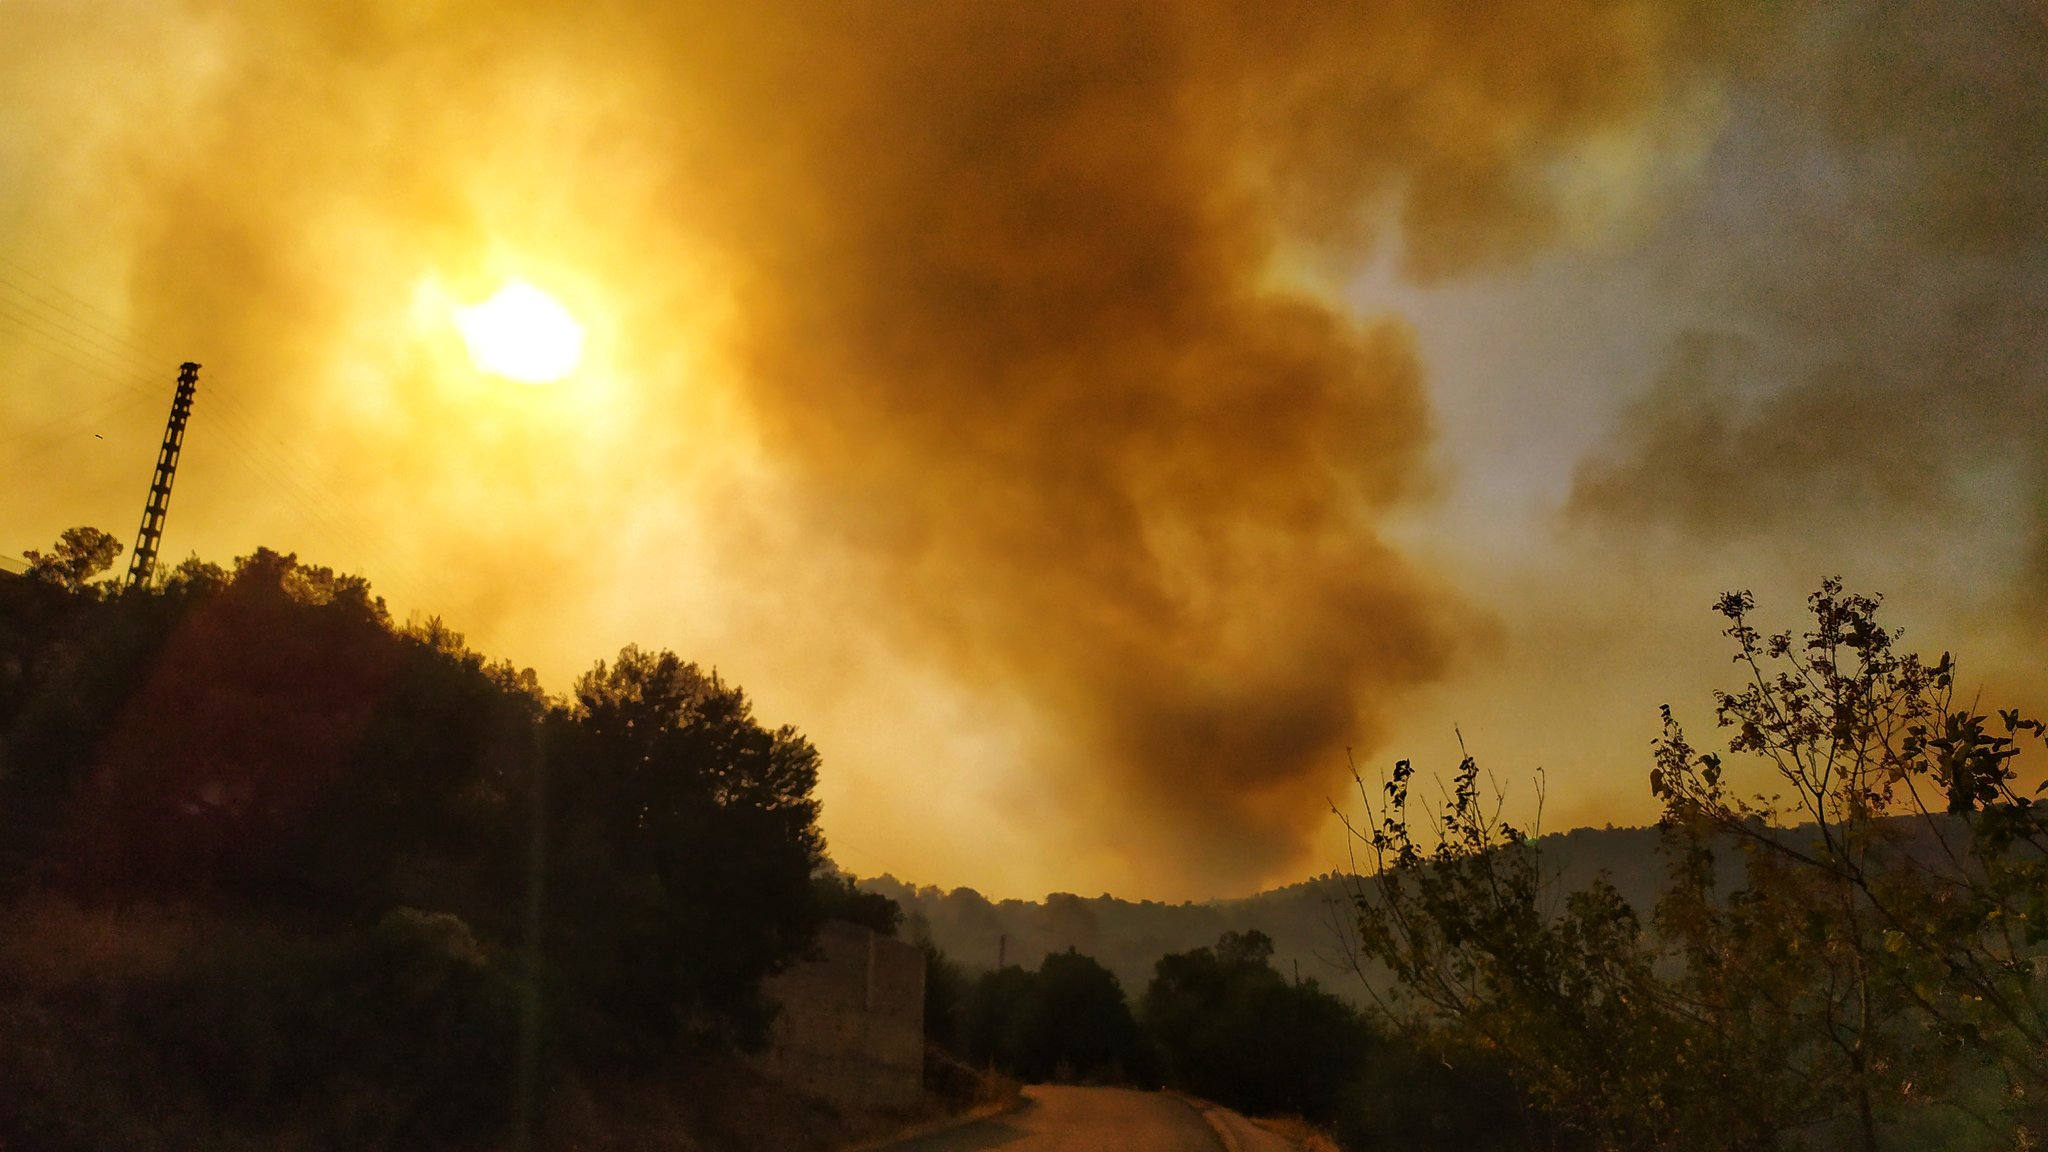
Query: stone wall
{"points": [[851, 1025]]}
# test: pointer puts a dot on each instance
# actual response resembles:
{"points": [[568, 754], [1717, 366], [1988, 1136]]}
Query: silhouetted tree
{"points": [[1230, 1028], [682, 850], [353, 809], [839, 898], [1078, 1025], [1861, 966], [1893, 939], [79, 555], [946, 992], [1067, 1021], [1565, 987]]}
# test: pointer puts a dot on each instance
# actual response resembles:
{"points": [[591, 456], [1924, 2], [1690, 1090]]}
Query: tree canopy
{"points": [[406, 851], [79, 555], [1230, 1028], [1867, 973]]}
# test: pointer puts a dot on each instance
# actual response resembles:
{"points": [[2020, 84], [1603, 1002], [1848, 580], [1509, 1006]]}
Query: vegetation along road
{"points": [[1067, 1119]]}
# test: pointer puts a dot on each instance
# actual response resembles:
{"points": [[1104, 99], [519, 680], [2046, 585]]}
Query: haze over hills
{"points": [[1309, 922], [1178, 395]]}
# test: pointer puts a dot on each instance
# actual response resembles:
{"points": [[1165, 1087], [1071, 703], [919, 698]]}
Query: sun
{"points": [[522, 333]]}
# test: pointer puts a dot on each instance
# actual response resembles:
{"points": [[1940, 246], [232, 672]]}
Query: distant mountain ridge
{"points": [[1309, 922]]}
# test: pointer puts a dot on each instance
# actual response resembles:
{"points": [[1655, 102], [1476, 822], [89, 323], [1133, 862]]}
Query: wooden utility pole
{"points": [[143, 562]]}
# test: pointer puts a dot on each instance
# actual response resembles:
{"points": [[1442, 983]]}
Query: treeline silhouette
{"points": [[1220, 1022], [1844, 943], [1849, 948], [278, 871], [1309, 923]]}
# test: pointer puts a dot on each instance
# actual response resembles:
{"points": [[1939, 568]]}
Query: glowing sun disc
{"points": [[522, 333]]}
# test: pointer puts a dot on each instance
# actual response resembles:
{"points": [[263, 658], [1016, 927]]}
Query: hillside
{"points": [[280, 873], [1309, 922]]}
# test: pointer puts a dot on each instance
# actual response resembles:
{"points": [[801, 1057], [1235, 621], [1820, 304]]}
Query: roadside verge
{"points": [[1241, 1134], [918, 1131]]}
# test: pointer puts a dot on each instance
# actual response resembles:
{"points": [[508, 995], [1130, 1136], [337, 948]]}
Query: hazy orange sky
{"points": [[1085, 421]]}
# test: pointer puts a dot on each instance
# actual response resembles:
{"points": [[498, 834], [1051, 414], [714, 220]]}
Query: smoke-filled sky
{"points": [[1086, 421]]}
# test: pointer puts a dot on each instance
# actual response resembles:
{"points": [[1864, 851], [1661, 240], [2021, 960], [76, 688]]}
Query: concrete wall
{"points": [[851, 1028]]}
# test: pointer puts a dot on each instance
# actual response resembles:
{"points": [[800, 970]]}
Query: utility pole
{"points": [[1002, 951], [143, 562]]}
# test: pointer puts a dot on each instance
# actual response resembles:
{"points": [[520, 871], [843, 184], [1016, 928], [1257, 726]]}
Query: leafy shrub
{"points": [[399, 1036], [1879, 951]]}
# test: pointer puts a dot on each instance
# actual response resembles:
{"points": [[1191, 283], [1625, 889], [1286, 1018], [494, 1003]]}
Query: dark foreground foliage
{"points": [[1067, 1021], [279, 872], [1229, 1028], [1871, 973]]}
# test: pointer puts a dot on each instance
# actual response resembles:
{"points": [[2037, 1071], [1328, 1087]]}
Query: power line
{"points": [[72, 316], [98, 368], [59, 289], [59, 428], [103, 353], [78, 300], [22, 318]]}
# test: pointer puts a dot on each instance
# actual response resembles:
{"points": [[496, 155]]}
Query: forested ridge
{"points": [[1308, 923], [1849, 947], [1836, 937], [280, 871]]}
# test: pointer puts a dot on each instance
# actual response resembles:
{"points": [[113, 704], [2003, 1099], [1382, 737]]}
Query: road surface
{"points": [[1065, 1119]]}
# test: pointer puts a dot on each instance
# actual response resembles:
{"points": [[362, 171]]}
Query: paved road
{"points": [[1064, 1119]]}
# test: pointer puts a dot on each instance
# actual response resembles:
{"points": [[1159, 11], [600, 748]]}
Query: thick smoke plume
{"points": [[1874, 374], [987, 325]]}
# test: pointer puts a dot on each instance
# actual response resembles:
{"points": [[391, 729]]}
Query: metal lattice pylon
{"points": [[143, 563]]}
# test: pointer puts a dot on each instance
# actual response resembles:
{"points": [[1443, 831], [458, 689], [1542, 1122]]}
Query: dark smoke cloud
{"points": [[1873, 371], [1012, 323], [1007, 314]]}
